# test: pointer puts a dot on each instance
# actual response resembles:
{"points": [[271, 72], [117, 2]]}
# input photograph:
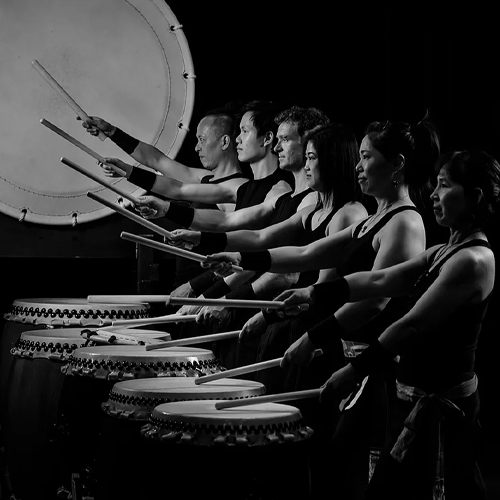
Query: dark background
{"points": [[356, 63]]}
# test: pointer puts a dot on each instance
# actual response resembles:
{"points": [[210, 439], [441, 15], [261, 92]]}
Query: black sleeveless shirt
{"points": [[359, 255], [307, 278], [287, 205], [437, 361], [186, 269], [255, 191]]}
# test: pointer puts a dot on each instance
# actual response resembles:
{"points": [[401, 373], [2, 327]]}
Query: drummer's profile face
{"points": [[451, 206], [208, 145], [311, 168], [289, 147], [249, 147]]}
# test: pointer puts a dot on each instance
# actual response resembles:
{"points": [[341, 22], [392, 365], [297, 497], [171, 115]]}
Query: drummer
{"points": [[396, 159], [255, 208], [293, 126], [436, 340]]}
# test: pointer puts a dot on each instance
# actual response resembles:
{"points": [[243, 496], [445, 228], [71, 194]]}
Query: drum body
{"points": [[120, 474], [39, 313], [126, 60], [32, 404], [255, 451], [90, 375]]}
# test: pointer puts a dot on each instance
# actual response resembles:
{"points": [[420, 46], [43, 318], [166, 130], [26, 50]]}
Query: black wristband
{"points": [[213, 242], [244, 292], [372, 359], [325, 334], [332, 294], [200, 284], [124, 141], [180, 214], [256, 261], [142, 178], [218, 290]]}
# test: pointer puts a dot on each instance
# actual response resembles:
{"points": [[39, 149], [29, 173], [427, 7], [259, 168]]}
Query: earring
{"points": [[395, 183]]}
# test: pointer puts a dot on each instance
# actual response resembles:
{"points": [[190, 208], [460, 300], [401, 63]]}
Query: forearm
{"points": [[272, 284], [353, 316]]}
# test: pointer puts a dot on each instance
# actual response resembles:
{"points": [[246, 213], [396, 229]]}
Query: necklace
{"points": [[376, 216], [440, 255]]}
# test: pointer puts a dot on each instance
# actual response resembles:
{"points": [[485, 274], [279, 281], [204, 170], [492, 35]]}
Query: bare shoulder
{"points": [[354, 210], [310, 199], [405, 222], [277, 190]]}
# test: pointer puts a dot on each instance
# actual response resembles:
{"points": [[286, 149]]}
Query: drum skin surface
{"points": [[136, 399], [126, 61]]}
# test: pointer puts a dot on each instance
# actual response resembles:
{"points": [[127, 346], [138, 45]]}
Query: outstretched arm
{"points": [[146, 154]]}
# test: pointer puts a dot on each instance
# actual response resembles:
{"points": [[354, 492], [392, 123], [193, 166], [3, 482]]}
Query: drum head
{"points": [[200, 423], [136, 399], [126, 61]]}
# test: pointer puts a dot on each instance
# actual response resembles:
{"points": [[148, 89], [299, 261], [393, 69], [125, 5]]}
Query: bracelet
{"points": [[142, 178], [256, 261], [124, 141], [180, 214], [216, 242], [373, 358]]}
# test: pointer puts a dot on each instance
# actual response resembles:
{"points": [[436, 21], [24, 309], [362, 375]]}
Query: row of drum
{"points": [[118, 421]]}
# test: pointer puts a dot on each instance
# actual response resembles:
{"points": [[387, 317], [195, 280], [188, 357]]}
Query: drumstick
{"points": [[113, 337], [269, 398], [194, 340], [73, 141], [185, 301], [69, 100], [241, 370], [136, 218], [99, 180], [180, 252], [171, 318]]}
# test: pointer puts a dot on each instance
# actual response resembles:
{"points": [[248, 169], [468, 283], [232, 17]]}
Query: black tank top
{"points": [[287, 205], [437, 361], [186, 269], [207, 179], [255, 191], [307, 278], [359, 255]]}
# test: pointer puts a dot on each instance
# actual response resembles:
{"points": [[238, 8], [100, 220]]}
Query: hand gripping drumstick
{"points": [[193, 340], [170, 249], [270, 398], [73, 141], [245, 369], [170, 318], [185, 301], [69, 100], [98, 179], [127, 213]]}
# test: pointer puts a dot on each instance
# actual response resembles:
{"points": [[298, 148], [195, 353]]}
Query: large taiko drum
{"points": [[130, 403], [127, 61], [38, 313], [258, 450], [91, 372]]}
